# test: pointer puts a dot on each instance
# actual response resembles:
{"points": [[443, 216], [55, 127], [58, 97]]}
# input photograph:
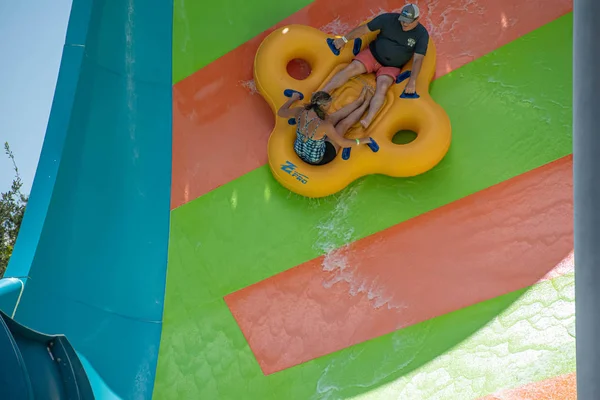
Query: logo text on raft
{"points": [[291, 169]]}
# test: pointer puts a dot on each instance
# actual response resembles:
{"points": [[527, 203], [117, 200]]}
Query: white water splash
{"points": [[339, 27], [335, 234], [329, 384], [534, 338], [249, 85], [129, 56], [130, 77], [336, 27], [186, 25], [335, 231], [379, 11], [143, 376], [450, 17]]}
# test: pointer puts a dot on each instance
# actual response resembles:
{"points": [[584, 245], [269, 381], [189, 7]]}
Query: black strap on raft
{"points": [[289, 93], [401, 78], [372, 145], [355, 49]]}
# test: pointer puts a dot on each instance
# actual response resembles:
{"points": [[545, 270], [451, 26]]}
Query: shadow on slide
{"points": [[397, 354]]}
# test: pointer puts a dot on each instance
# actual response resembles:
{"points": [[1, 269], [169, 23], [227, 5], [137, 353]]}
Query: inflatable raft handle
{"points": [[346, 153], [357, 46], [409, 96], [292, 121], [290, 92], [332, 47], [373, 146], [403, 76], [355, 49]]}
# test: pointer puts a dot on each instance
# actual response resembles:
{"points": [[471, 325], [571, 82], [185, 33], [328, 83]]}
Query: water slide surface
{"points": [[159, 243], [93, 246]]}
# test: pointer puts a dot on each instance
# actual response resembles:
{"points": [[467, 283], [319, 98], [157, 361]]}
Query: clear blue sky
{"points": [[33, 34]]}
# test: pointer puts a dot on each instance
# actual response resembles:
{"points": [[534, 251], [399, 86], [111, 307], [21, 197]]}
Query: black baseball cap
{"points": [[409, 13]]}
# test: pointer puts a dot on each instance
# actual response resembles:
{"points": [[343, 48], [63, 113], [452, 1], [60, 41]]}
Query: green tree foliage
{"points": [[12, 209]]}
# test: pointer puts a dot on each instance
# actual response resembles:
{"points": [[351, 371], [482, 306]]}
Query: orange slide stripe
{"points": [[220, 131], [493, 242], [563, 387]]}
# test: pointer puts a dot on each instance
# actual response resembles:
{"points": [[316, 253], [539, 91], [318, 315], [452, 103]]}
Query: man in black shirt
{"points": [[401, 36]]}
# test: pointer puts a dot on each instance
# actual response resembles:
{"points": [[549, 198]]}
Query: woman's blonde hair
{"points": [[317, 100]]}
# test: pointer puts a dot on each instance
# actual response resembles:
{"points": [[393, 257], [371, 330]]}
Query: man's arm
{"points": [[371, 26], [420, 51], [414, 73], [353, 34], [357, 32]]}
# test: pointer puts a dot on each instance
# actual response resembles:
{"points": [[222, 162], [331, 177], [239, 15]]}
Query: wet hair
{"points": [[318, 100]]}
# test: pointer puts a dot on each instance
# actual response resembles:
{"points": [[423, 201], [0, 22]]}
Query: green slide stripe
{"points": [[511, 112], [206, 30], [456, 356]]}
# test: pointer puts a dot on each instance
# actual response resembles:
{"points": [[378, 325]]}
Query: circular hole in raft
{"points": [[298, 69], [404, 137]]}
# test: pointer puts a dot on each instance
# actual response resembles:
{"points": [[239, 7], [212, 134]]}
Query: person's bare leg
{"points": [[383, 84], [354, 116], [351, 70], [348, 108]]}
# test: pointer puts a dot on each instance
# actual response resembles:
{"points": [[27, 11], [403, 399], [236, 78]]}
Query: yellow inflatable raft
{"points": [[421, 115]]}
